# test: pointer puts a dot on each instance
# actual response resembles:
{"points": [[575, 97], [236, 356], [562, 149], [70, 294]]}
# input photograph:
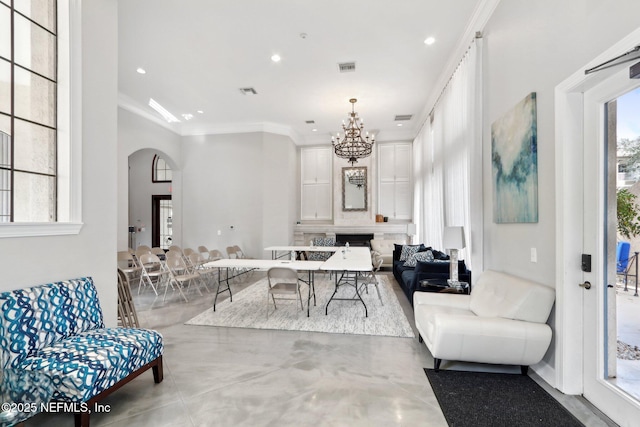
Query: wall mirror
{"points": [[354, 189]]}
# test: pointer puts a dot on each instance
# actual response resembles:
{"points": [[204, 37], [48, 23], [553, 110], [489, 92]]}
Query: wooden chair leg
{"points": [[158, 372], [82, 419]]}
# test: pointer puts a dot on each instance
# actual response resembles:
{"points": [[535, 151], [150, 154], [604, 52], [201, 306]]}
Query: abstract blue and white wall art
{"points": [[514, 160]]}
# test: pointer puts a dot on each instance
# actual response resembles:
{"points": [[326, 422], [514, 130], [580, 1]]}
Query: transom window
{"points": [[161, 171], [28, 116]]}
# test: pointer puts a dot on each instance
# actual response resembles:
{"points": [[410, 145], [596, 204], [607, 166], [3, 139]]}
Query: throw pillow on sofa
{"points": [[426, 256], [440, 255], [397, 250], [408, 251]]}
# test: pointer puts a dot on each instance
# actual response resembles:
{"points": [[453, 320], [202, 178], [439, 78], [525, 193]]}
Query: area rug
{"points": [[248, 310], [488, 399]]}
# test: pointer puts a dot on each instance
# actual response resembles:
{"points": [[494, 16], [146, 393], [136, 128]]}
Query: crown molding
{"points": [[406, 134], [194, 129], [127, 103]]}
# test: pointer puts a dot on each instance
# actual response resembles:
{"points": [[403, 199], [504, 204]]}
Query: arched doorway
{"points": [[151, 212]]}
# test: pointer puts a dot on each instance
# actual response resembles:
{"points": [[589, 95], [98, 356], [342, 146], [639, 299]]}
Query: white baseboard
{"points": [[546, 372]]}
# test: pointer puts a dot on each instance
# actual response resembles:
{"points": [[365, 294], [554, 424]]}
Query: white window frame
{"points": [[69, 138]]}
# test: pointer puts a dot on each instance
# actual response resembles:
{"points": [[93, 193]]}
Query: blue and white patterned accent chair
{"points": [[321, 241], [58, 329]]}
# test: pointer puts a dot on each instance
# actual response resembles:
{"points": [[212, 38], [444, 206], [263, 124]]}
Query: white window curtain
{"points": [[430, 202], [445, 150], [418, 187]]}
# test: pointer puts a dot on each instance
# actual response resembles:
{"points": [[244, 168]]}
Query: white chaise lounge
{"points": [[383, 249], [503, 321]]}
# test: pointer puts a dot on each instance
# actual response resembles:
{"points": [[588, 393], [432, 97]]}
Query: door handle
{"points": [[586, 285]]}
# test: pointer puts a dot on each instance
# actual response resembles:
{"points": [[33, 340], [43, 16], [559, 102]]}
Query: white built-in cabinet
{"points": [[394, 180], [316, 189]]}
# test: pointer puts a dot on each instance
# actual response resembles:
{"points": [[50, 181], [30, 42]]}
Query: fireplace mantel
{"points": [[383, 230]]}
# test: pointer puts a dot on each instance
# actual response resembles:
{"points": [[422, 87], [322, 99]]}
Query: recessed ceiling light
{"points": [[429, 41], [187, 116], [276, 58], [200, 112], [141, 70], [314, 130], [399, 124]]}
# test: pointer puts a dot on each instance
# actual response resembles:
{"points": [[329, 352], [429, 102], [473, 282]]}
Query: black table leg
{"points": [[218, 291], [337, 283], [366, 314]]}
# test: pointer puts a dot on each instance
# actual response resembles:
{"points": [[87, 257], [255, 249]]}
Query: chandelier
{"points": [[353, 146], [356, 177]]}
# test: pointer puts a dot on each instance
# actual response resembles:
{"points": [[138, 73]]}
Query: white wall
{"points": [[37, 260], [532, 47], [280, 185], [136, 133], [233, 183]]}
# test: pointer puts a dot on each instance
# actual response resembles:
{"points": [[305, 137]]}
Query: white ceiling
{"points": [[198, 54]]}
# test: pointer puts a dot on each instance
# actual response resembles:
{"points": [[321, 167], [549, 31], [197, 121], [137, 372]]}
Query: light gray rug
{"points": [[248, 310]]}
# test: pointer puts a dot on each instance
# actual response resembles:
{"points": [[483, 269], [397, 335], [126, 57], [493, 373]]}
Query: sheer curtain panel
{"points": [[448, 152]]}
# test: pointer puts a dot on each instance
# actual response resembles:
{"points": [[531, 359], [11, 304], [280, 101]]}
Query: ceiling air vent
{"points": [[248, 91], [347, 67], [310, 122], [401, 117]]}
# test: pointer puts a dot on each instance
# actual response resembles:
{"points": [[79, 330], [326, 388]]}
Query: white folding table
{"points": [[295, 250], [352, 260], [263, 264]]}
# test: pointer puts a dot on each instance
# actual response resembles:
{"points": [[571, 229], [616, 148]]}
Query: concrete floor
{"points": [[247, 377], [628, 318]]}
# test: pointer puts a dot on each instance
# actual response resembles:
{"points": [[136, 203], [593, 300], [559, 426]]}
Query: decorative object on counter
{"points": [[379, 218]]}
